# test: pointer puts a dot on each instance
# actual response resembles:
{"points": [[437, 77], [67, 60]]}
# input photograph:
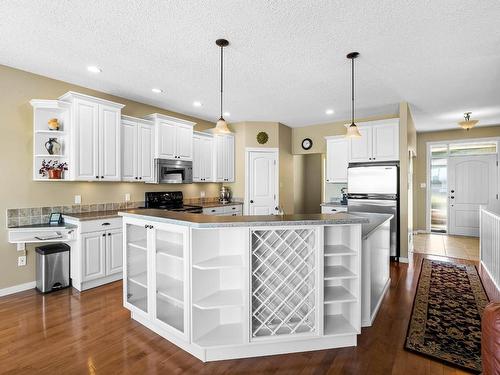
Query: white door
{"points": [[360, 149], [93, 255], [129, 150], [145, 158], [262, 173], [109, 143], [337, 159], [385, 140], [166, 141], [86, 140], [114, 251], [472, 181], [184, 142]]}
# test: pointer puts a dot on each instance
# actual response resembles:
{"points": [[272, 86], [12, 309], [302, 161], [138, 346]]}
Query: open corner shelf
{"points": [[338, 272], [337, 250], [338, 325], [335, 294], [220, 299], [224, 334], [220, 262]]}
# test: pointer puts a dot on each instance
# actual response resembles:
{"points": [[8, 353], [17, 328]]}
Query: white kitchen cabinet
{"points": [[202, 157], [379, 142], [93, 255], [95, 134], [137, 149], [224, 157], [97, 253], [173, 137], [337, 159], [224, 210]]}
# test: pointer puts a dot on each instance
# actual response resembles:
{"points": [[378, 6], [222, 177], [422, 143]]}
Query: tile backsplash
{"points": [[40, 215]]}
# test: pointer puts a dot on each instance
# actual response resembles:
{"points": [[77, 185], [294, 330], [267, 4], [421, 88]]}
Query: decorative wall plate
{"points": [[262, 137]]}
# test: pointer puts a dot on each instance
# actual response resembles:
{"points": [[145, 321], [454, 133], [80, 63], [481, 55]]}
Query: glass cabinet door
{"points": [[136, 266]]}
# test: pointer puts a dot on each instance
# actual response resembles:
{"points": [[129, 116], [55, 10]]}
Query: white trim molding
{"points": [[17, 288], [403, 260]]}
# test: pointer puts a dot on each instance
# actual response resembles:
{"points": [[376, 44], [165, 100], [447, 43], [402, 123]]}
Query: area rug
{"points": [[446, 320]]}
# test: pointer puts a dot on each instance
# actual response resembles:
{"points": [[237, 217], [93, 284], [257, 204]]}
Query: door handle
{"points": [[452, 197], [453, 191], [251, 201]]}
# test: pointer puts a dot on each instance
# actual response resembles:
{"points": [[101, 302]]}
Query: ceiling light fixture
{"points": [[197, 103], [467, 124], [94, 69], [157, 91], [227, 114], [352, 130], [221, 126], [329, 111]]}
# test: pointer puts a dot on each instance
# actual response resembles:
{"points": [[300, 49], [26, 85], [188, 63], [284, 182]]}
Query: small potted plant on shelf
{"points": [[53, 169]]}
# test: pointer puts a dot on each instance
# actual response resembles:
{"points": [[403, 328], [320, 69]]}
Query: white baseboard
{"points": [[17, 288], [403, 260], [420, 231]]}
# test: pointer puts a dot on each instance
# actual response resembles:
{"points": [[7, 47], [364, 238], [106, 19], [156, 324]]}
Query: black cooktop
{"points": [[169, 200]]}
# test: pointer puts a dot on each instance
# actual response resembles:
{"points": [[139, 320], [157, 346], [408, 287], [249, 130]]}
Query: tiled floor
{"points": [[445, 245]]}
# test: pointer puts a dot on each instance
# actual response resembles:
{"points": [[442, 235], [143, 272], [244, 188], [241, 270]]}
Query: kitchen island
{"points": [[244, 286]]}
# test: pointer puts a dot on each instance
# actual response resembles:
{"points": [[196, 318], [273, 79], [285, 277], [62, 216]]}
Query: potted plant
{"points": [[53, 169]]}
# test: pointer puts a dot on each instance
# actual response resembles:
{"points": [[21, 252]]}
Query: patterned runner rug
{"points": [[446, 318]]}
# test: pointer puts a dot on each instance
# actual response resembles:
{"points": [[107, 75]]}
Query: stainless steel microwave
{"points": [[173, 171]]}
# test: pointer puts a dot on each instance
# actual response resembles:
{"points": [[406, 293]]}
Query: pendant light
{"points": [[221, 126], [352, 130], [467, 124]]}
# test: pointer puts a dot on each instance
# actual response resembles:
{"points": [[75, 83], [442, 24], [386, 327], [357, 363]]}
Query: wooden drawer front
{"points": [[213, 210], [101, 224], [232, 209], [332, 210]]}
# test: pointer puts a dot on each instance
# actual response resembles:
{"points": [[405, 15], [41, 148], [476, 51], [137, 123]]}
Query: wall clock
{"points": [[307, 143]]}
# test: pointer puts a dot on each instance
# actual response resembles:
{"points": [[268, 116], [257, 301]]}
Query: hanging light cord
{"points": [[221, 77], [352, 89]]}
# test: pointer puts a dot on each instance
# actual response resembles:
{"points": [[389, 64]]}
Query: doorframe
{"points": [[268, 150], [428, 172]]}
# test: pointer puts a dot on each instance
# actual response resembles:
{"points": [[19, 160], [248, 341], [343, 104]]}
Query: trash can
{"points": [[52, 267]]}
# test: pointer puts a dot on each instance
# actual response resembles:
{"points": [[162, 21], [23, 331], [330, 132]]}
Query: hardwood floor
{"points": [[67, 332]]}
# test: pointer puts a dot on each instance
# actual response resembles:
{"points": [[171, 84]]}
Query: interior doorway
{"points": [[462, 176], [261, 181]]}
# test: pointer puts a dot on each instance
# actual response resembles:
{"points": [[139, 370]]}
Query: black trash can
{"points": [[52, 267]]}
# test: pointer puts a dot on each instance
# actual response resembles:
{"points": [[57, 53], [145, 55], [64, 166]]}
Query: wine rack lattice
{"points": [[283, 282]]}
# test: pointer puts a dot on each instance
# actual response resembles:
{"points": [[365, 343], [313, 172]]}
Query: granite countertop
{"points": [[209, 221], [94, 215], [44, 226], [214, 204], [375, 221]]}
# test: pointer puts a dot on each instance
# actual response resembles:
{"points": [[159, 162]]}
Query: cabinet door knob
{"points": [[96, 176], [104, 234], [140, 178], [105, 224], [102, 176], [251, 201], [136, 178], [146, 226], [109, 234]]}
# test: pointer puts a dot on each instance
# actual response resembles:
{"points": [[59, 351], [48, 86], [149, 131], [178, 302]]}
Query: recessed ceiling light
{"points": [[94, 69], [329, 111], [197, 103], [157, 91], [227, 114]]}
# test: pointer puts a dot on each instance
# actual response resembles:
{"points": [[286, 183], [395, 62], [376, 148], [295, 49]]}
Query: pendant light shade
{"points": [[221, 126], [352, 130], [468, 124]]}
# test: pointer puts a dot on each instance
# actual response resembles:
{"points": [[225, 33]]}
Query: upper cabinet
{"points": [[173, 137], [203, 156], [379, 142], [224, 157], [337, 154], [137, 137]]}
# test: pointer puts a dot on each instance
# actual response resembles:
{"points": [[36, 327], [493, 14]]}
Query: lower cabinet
{"points": [[97, 253], [155, 275], [230, 210]]}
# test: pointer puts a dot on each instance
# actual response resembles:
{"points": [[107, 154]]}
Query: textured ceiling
{"points": [[286, 61]]}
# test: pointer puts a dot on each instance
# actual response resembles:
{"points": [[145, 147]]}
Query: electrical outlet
{"points": [[78, 199], [423, 185], [127, 197], [21, 261], [202, 194]]}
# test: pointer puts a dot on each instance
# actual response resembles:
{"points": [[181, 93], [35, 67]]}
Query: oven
{"points": [[173, 171]]}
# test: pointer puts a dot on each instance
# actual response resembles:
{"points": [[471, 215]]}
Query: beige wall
{"points": [[420, 166], [286, 178], [18, 190], [308, 183], [317, 133], [298, 183]]}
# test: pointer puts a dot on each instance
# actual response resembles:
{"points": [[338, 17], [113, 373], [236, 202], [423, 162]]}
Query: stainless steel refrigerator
{"points": [[374, 187]]}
